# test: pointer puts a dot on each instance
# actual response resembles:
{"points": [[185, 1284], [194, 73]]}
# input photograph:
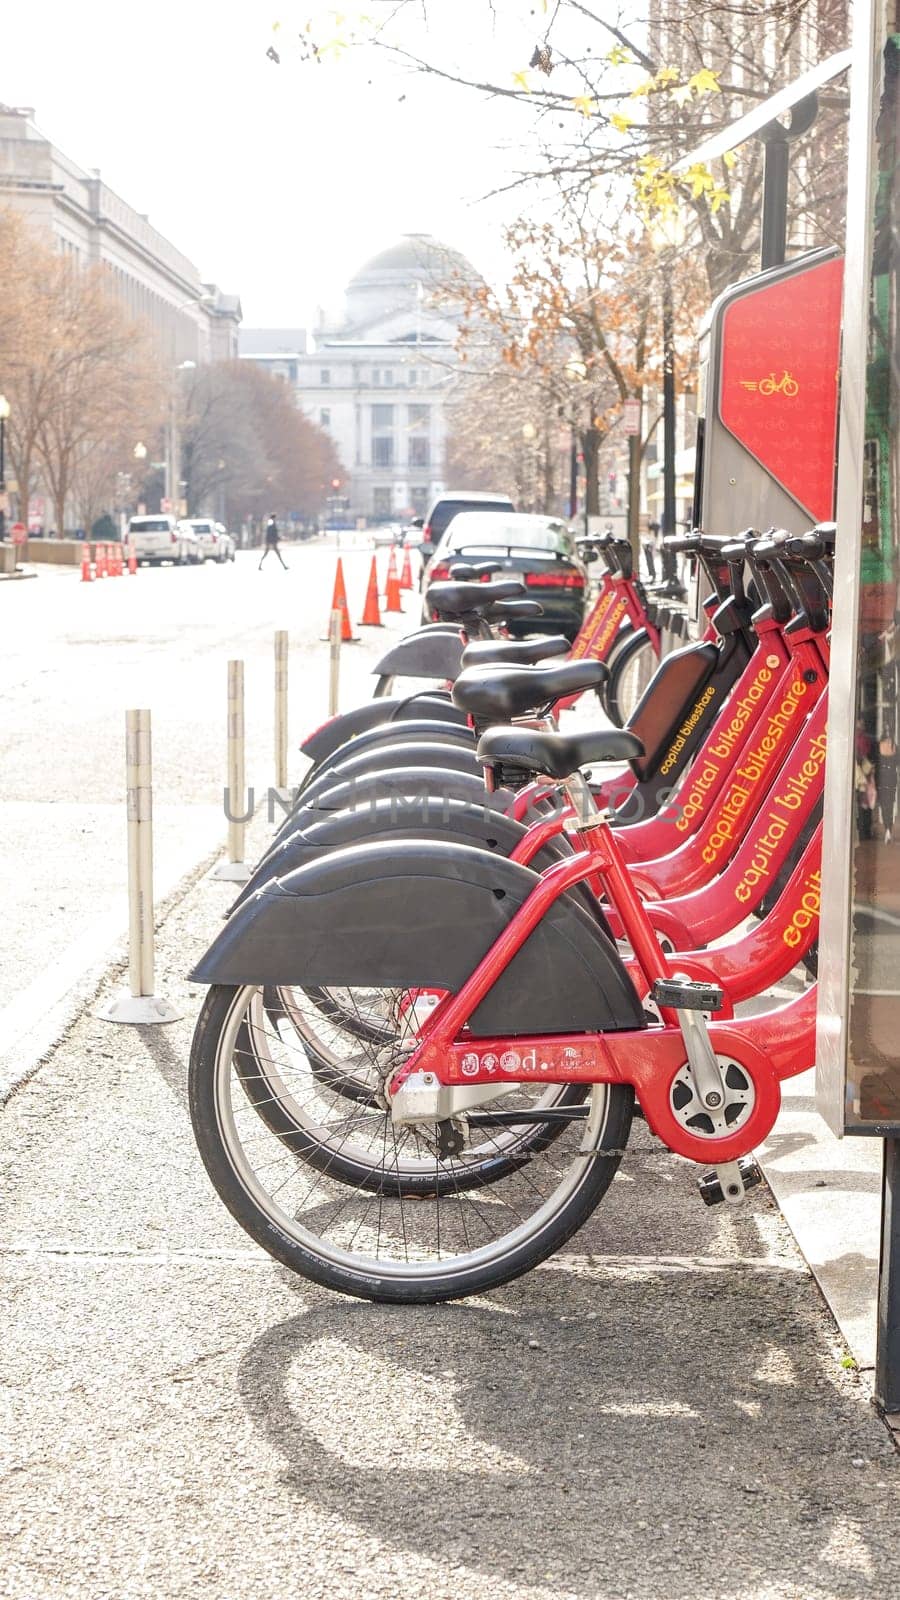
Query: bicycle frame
{"points": [[618, 600], [768, 1047]]}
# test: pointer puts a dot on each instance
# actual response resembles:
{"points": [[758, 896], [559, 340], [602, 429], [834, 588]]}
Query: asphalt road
{"points": [[73, 658]]}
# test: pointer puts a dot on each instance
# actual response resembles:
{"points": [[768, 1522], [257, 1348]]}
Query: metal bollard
{"points": [[140, 1004], [235, 869], [334, 644], [281, 709]]}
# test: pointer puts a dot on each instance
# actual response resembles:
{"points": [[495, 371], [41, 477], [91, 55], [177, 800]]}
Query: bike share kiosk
{"points": [[858, 1047]]}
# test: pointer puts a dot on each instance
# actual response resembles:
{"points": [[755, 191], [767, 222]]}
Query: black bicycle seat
{"points": [[514, 652], [504, 692], [471, 599], [508, 610], [466, 571], [555, 755]]}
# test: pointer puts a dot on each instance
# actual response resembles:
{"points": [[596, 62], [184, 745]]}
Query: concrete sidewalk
{"points": [[661, 1410]]}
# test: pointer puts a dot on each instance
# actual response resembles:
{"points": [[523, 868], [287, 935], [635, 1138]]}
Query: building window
{"points": [[292, 371], [420, 496], [387, 378], [383, 451], [381, 502], [324, 418], [382, 417], [376, 376], [412, 375], [419, 452], [325, 375]]}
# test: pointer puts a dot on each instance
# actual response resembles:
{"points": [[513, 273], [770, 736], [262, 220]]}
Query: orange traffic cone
{"points": [[100, 563], [371, 617], [339, 603], [132, 559], [406, 574], [87, 575], [115, 563], [392, 587]]}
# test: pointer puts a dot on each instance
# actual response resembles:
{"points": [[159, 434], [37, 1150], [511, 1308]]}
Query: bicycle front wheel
{"points": [[370, 1238], [630, 670]]}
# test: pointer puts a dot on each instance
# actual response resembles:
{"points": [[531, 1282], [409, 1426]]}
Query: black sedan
{"points": [[540, 551]]}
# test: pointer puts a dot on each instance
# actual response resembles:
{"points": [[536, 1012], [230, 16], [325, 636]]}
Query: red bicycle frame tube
{"points": [[748, 966], [712, 911], [647, 1058], [754, 772]]}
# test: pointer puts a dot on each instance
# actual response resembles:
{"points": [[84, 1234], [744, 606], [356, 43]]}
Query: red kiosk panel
{"points": [[778, 391]]}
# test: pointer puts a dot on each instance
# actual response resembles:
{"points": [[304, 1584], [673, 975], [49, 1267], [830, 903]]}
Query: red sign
{"points": [[18, 533], [780, 352]]}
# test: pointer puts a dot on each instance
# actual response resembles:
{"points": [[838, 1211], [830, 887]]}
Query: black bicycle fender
{"points": [[338, 793], [353, 773], [423, 914], [428, 653], [421, 815], [375, 713], [398, 816]]}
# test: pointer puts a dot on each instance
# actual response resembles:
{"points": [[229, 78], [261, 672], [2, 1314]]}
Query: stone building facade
{"points": [[377, 378], [189, 320]]}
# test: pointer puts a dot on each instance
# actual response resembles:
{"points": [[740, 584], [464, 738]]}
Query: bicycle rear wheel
{"points": [[370, 1239]]}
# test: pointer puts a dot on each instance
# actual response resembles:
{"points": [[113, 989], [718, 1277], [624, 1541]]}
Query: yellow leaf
{"points": [[647, 87], [705, 81], [730, 159], [521, 81], [620, 121], [718, 198], [619, 56], [700, 179], [584, 103], [667, 75], [683, 94]]}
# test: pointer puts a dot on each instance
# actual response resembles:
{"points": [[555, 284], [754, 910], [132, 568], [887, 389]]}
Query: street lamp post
{"points": [[666, 234], [4, 417]]}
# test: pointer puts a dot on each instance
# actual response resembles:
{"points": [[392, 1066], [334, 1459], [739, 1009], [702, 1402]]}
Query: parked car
{"points": [[540, 551], [449, 505], [160, 538], [213, 541], [388, 533]]}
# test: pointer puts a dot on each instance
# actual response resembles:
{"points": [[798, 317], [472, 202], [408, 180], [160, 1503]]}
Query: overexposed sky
{"points": [[278, 181]]}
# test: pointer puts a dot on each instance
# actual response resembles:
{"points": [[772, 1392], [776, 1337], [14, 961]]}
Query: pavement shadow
{"points": [[597, 1430]]}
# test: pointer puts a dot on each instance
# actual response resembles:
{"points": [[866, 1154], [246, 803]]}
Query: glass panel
{"points": [[873, 1067], [382, 416]]}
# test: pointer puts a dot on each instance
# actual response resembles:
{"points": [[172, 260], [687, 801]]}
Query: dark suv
{"points": [[442, 511]]}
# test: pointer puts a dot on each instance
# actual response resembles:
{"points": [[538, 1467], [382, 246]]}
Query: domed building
{"points": [[378, 377]]}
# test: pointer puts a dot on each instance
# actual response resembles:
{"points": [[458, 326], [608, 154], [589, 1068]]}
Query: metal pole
{"points": [[141, 1004], [281, 708], [235, 869], [334, 636], [669, 568], [236, 774], [776, 162], [573, 474], [887, 1353]]}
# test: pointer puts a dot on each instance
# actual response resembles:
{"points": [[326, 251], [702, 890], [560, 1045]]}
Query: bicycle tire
{"points": [[631, 667], [293, 1230]]}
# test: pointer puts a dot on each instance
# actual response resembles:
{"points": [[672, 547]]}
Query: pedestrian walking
{"points": [[272, 542], [886, 776]]}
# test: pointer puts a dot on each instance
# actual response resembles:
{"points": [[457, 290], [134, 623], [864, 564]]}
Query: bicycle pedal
{"points": [[687, 994], [739, 1175]]}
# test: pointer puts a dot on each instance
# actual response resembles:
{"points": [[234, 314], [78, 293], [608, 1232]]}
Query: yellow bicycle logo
{"points": [[785, 385]]}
